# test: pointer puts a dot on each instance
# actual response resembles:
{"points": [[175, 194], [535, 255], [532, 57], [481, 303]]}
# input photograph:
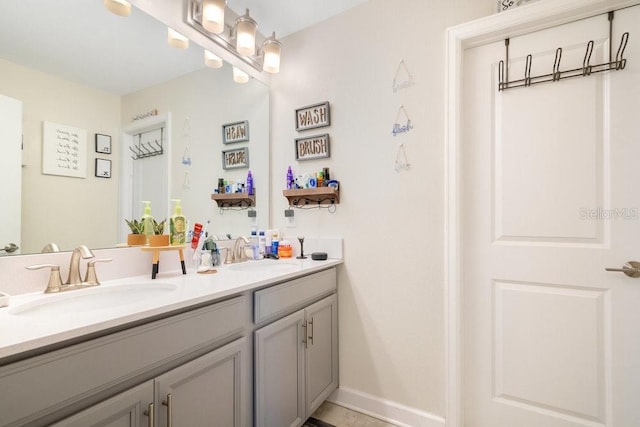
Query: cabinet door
{"points": [[279, 373], [127, 409], [209, 391], [321, 352]]}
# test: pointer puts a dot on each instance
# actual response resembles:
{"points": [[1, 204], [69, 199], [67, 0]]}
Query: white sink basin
{"points": [[265, 265], [93, 299]]}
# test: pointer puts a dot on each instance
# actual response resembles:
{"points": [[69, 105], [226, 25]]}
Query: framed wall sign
{"points": [[64, 150], [313, 116], [103, 143], [235, 132], [103, 168], [312, 147], [235, 159]]}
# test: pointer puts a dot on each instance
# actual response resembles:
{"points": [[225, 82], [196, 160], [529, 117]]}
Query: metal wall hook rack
{"points": [[619, 63], [143, 150]]}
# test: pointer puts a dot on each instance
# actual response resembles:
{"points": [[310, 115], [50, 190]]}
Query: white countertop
{"points": [[22, 331]]}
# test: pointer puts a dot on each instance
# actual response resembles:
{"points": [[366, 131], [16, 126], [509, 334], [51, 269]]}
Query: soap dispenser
{"points": [[147, 221], [177, 225]]}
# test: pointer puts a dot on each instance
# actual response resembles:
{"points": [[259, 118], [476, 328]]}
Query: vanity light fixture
{"points": [[213, 15], [271, 49], [239, 37], [245, 32], [177, 40], [118, 7], [240, 76], [212, 60]]}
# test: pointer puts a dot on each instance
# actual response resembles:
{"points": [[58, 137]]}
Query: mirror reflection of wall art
{"points": [[235, 132], [103, 168], [313, 116], [103, 143], [64, 150], [312, 147], [235, 159]]}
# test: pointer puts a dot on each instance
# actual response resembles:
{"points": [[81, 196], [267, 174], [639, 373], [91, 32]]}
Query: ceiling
{"points": [[288, 16], [122, 55]]}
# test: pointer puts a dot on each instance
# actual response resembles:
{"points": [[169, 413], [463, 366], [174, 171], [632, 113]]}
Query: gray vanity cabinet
{"points": [[321, 352], [279, 373], [296, 357], [207, 391], [126, 409]]}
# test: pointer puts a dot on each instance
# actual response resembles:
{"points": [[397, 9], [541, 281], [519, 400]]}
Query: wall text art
{"points": [[403, 78], [403, 122], [313, 116], [64, 150]]}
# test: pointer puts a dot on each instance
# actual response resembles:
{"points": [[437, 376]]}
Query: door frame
{"points": [[127, 134], [522, 20]]}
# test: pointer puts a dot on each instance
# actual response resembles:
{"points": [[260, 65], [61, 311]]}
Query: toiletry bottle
{"points": [[320, 182], [249, 184], [254, 243], [284, 249], [289, 178], [197, 229], [261, 242], [177, 225], [274, 243], [147, 221]]}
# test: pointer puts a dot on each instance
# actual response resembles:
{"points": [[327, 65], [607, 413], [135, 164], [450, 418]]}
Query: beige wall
{"points": [[55, 208], [391, 287]]}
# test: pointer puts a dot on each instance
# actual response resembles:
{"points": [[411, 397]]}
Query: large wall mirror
{"points": [[73, 64]]}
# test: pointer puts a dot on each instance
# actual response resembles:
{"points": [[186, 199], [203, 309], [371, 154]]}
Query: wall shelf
{"points": [[310, 196], [234, 200]]}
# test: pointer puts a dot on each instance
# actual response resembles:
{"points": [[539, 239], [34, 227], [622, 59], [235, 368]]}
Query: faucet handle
{"points": [[55, 281], [91, 278]]}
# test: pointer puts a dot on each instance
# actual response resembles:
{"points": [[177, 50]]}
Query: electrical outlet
{"points": [[252, 213], [291, 220]]}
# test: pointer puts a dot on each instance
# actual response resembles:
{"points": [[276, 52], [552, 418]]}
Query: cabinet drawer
{"points": [[279, 300], [82, 370]]}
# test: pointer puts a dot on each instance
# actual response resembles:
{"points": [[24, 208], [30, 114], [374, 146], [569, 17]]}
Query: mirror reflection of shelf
{"points": [[234, 200], [306, 196]]}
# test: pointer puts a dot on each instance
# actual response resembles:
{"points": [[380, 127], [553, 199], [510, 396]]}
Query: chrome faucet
{"points": [[74, 266], [73, 281], [237, 254]]}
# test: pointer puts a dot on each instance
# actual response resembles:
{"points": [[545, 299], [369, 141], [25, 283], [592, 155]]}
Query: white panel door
{"points": [[10, 171], [551, 188]]}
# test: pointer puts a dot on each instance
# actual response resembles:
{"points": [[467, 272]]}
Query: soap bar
{"points": [[4, 300]]}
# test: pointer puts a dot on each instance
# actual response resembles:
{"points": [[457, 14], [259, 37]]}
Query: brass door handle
{"points": [[167, 403], [150, 413], [630, 268]]}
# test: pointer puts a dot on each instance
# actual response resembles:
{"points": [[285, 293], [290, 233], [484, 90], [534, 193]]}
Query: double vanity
{"points": [[254, 344]]}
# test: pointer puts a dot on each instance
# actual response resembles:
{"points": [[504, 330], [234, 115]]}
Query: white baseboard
{"points": [[385, 410]]}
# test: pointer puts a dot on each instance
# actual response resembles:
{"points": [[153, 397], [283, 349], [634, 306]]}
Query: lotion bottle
{"points": [[177, 225], [147, 221]]}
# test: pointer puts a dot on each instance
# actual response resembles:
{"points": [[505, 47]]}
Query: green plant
{"points": [[158, 227], [135, 226]]}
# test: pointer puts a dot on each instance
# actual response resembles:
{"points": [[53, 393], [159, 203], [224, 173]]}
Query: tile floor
{"points": [[343, 417]]}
